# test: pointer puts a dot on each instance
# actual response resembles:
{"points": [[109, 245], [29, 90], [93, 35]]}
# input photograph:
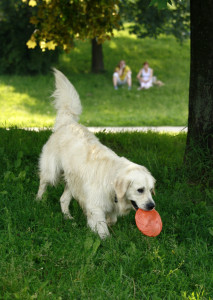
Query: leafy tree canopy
{"points": [[58, 23], [153, 17], [15, 57]]}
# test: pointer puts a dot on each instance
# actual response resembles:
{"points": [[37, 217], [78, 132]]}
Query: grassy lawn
{"points": [[25, 101], [43, 256]]}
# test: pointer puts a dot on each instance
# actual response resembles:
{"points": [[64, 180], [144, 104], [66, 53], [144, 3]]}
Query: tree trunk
{"points": [[97, 57], [200, 121]]}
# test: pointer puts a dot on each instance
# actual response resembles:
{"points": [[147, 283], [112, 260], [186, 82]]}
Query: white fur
{"points": [[102, 182]]}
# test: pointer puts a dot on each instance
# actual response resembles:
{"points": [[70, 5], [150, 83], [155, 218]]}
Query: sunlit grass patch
{"points": [[25, 100]]}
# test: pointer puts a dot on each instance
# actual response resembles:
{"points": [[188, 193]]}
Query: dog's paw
{"points": [[102, 230], [104, 235], [38, 199], [68, 216]]}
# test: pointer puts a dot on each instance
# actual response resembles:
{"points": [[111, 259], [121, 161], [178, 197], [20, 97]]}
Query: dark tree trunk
{"points": [[200, 121], [97, 57]]}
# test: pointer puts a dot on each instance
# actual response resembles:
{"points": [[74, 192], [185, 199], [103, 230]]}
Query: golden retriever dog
{"points": [[105, 185]]}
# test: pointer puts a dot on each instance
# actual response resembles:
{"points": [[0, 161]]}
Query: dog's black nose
{"points": [[150, 205]]}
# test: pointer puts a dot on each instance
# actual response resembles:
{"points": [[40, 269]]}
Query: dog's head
{"points": [[134, 188]]}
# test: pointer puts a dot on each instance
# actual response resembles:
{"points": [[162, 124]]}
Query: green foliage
{"points": [[44, 256], [161, 3], [151, 18], [15, 57], [63, 21]]}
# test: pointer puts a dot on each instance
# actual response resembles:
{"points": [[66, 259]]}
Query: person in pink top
{"points": [[145, 77]]}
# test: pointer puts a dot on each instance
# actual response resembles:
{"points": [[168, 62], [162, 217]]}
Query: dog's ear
{"points": [[121, 186]]}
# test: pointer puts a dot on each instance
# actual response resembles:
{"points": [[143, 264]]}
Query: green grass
{"points": [[43, 256], [25, 101]]}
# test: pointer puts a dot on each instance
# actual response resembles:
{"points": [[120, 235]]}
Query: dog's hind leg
{"points": [[41, 190], [50, 171], [65, 202]]}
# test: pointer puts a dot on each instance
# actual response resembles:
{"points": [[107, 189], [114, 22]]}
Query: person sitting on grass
{"points": [[145, 77], [122, 75]]}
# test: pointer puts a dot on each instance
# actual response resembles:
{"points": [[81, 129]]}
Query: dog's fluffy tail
{"points": [[67, 101]]}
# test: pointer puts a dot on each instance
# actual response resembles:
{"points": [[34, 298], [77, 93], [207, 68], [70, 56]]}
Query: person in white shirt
{"points": [[145, 77]]}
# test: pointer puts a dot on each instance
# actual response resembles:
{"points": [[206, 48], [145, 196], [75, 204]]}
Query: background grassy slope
{"points": [[44, 256], [25, 101]]}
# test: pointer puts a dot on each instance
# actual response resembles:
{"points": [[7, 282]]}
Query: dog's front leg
{"points": [[97, 222], [111, 218]]}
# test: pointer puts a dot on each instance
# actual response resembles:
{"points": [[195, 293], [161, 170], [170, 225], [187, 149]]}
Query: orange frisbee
{"points": [[148, 222]]}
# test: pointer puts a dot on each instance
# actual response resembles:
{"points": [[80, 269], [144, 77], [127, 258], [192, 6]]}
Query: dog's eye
{"points": [[141, 190]]}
